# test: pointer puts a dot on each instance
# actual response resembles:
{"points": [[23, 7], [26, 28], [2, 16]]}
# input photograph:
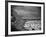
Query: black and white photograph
{"points": [[25, 18]]}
